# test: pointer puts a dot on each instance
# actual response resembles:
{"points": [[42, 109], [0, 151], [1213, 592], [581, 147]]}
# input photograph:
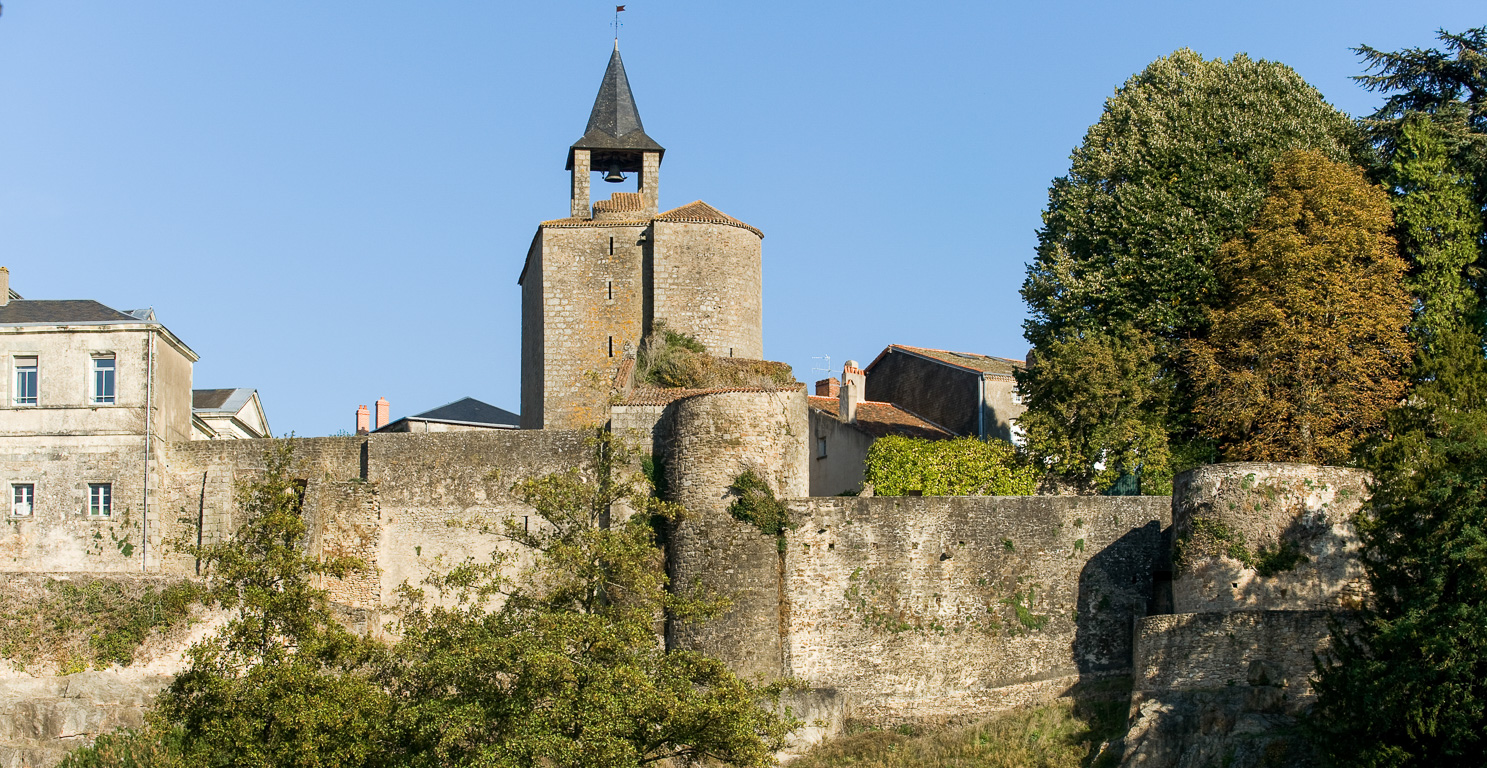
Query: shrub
{"points": [[961, 467]]}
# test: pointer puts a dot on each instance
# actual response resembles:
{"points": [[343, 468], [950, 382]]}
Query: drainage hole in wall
{"points": [[944, 556]]}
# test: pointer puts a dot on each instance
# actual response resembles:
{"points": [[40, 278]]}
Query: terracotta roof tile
{"points": [[985, 364], [883, 419], [658, 396], [621, 201], [698, 212]]}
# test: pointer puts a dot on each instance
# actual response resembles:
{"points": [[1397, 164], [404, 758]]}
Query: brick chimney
{"points": [[828, 387], [4, 286], [363, 420], [854, 384], [382, 408]]}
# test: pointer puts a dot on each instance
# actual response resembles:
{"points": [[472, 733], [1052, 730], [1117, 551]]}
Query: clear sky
{"points": [[331, 201]]}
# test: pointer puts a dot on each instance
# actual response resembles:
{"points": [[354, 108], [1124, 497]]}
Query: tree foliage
{"points": [[1097, 406], [965, 466], [1307, 350], [1408, 686], [1176, 166], [1438, 229]]}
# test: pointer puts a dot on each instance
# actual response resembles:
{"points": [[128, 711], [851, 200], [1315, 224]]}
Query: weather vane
{"points": [[617, 25]]}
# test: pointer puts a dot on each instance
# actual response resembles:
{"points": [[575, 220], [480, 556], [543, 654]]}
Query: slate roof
{"points": [[614, 122], [883, 419], [467, 410], [983, 364], [220, 400], [63, 312]]}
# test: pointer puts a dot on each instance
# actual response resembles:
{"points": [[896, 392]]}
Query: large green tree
{"points": [[1176, 166], [1307, 349]]}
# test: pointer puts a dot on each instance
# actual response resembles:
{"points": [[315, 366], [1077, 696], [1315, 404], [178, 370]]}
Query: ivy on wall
{"points": [[964, 466]]}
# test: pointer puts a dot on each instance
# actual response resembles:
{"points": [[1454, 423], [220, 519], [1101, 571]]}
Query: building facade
{"points": [[90, 397]]}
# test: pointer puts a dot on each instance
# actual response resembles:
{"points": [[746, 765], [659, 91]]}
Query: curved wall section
{"points": [[1256, 536], [707, 282], [716, 438]]}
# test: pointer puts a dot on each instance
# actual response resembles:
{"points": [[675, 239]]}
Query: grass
{"points": [[1063, 734], [65, 626]]}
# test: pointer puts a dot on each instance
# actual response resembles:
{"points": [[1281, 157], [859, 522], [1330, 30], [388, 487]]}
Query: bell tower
{"points": [[614, 144]]}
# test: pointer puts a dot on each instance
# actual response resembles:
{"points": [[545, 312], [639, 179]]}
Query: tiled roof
{"points": [[986, 364], [698, 212], [570, 223], [883, 419], [61, 312], [658, 396], [621, 201], [468, 410]]}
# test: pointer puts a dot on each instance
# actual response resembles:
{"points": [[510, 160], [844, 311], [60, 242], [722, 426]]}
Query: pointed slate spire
{"points": [[614, 128]]}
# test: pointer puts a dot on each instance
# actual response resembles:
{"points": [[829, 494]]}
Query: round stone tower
{"points": [[1266, 537], [717, 437]]}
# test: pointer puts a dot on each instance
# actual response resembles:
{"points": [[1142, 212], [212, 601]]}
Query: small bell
{"points": [[614, 176]]}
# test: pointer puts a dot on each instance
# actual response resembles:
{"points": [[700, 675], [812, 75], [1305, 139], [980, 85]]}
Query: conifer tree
{"points": [[1308, 349]]}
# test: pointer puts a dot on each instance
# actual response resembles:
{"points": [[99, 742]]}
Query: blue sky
{"points": [[330, 201]]}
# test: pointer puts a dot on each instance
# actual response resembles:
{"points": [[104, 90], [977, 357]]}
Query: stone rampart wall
{"points": [[943, 608]]}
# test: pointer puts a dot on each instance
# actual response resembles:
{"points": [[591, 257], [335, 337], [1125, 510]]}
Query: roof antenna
{"points": [[617, 25], [828, 369]]}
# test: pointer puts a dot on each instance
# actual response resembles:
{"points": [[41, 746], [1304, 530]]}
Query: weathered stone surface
{"points": [[1299, 510], [941, 609], [43, 718]]}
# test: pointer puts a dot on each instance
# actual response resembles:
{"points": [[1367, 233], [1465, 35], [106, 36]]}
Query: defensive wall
{"points": [[1265, 562]]}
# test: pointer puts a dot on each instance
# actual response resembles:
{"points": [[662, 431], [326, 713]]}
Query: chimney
{"points": [[854, 383], [4, 286], [382, 407], [828, 387], [363, 420]]}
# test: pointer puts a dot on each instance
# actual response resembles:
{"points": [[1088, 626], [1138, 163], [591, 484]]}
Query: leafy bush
{"points": [[756, 504], [71, 625], [961, 467]]}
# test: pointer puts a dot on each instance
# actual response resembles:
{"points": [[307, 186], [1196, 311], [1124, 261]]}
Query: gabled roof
{"points": [[239, 405], [982, 364], [466, 410], [63, 312], [614, 122], [883, 419]]}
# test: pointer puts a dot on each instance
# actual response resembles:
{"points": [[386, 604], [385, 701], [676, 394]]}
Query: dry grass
{"points": [[1064, 734], [669, 359], [61, 626]]}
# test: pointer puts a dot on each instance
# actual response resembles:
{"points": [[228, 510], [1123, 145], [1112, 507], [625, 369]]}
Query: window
{"points": [[100, 499], [820, 447], [25, 381], [23, 498], [103, 380]]}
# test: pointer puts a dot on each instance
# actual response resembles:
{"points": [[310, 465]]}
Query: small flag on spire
{"points": [[619, 8]]}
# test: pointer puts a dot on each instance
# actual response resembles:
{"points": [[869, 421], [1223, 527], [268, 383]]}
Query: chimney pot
{"points": [[4, 286], [853, 391], [382, 409], [363, 420]]}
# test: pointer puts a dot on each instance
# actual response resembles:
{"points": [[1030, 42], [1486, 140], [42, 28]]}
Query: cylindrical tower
{"points": [[1258, 536], [718, 437], [707, 280]]}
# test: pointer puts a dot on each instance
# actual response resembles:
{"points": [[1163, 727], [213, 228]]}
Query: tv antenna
{"points": [[828, 370]]}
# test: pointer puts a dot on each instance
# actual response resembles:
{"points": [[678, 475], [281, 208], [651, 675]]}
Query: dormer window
{"points": [[25, 381], [103, 380]]}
